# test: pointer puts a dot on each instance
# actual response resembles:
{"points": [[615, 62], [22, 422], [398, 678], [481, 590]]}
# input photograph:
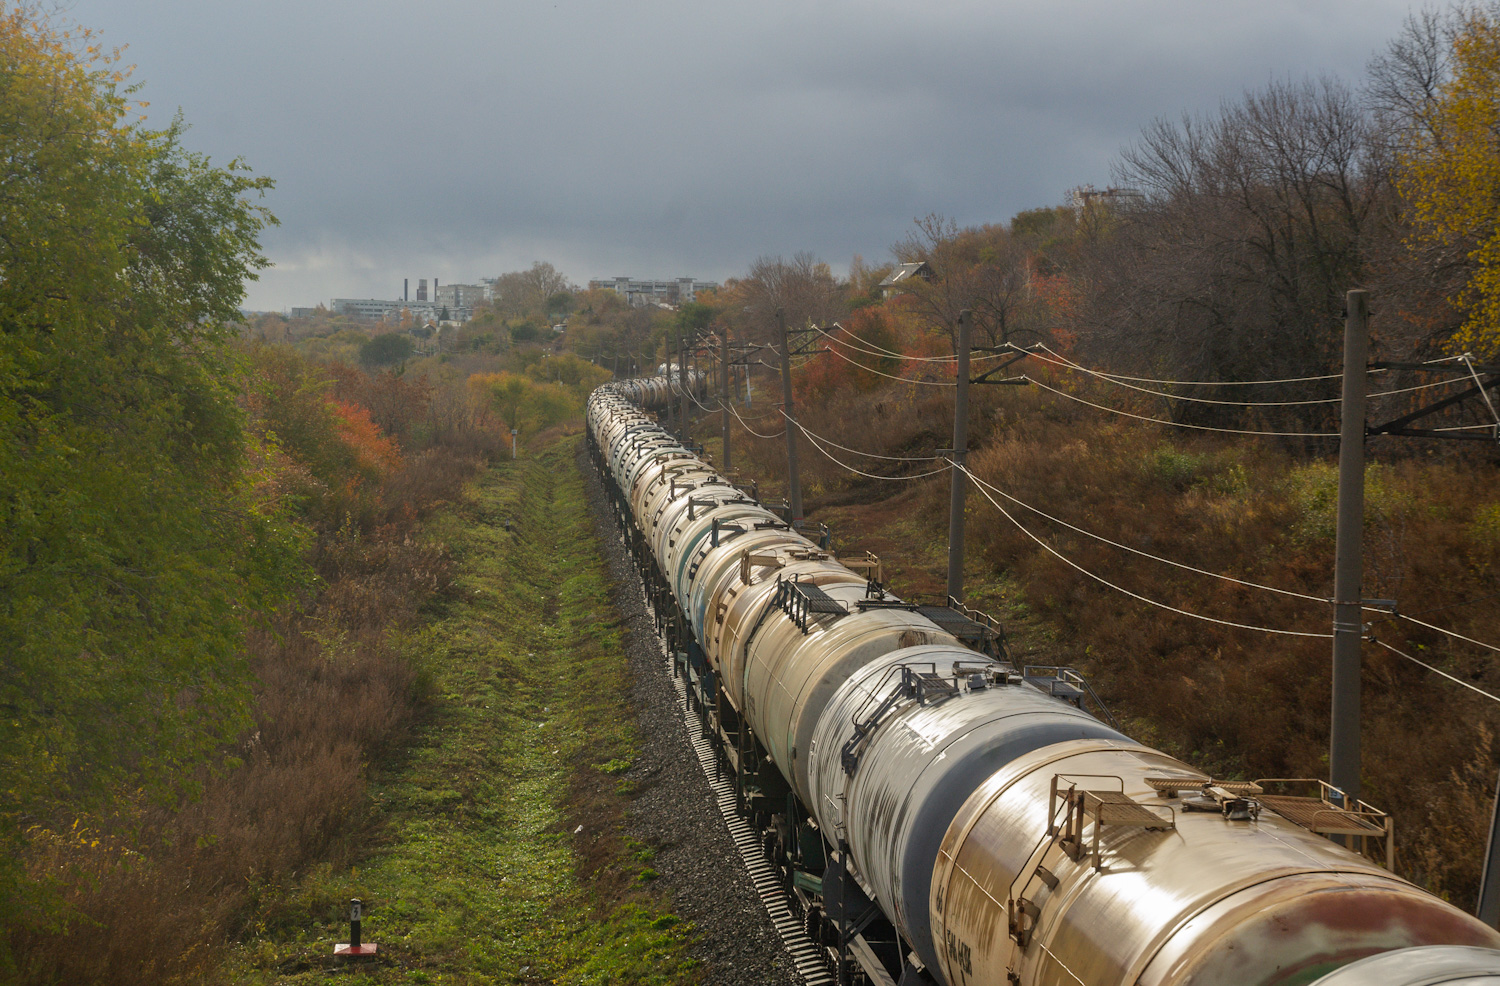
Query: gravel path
{"points": [[673, 809]]}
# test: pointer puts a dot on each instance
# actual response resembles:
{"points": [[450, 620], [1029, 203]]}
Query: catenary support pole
{"points": [[793, 477], [1488, 910], [959, 487], [726, 394], [1348, 623], [682, 382]]}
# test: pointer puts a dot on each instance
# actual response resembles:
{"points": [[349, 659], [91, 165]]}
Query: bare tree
{"points": [[1414, 276], [1252, 226], [804, 288], [523, 293], [1406, 79], [984, 269]]}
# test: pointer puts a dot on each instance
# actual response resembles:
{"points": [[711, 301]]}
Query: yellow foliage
{"points": [[1451, 177]]}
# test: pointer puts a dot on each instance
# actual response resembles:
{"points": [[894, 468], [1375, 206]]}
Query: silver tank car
{"points": [[1007, 835]]}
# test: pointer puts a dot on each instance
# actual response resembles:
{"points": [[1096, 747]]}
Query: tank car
{"points": [[997, 831]]}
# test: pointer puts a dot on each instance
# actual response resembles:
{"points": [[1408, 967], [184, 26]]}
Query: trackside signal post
{"points": [[355, 947]]}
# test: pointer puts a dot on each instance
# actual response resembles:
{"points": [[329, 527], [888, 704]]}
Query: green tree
{"points": [[386, 348], [133, 545], [523, 404]]}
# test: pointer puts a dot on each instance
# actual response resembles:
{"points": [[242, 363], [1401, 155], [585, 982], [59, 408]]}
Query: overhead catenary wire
{"points": [[1447, 633], [1121, 589], [878, 350], [1064, 362], [1145, 554], [747, 427], [1179, 424], [1200, 383], [678, 389], [860, 472], [1468, 362], [1434, 670], [891, 376], [1465, 428], [871, 455]]}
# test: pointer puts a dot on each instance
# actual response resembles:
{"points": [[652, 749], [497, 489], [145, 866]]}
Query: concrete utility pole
{"points": [[959, 487], [1348, 622], [726, 394], [682, 381], [793, 477], [1488, 910]]}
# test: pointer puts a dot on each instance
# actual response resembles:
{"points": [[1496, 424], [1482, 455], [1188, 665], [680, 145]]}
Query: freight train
{"points": [[943, 817]]}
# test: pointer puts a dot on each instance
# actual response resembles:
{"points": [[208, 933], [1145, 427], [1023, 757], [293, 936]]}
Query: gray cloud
{"points": [[464, 138]]}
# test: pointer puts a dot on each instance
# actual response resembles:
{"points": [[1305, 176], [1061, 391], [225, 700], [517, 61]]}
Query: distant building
{"points": [[376, 309], [304, 312], [678, 291], [893, 284], [1085, 195], [460, 295]]}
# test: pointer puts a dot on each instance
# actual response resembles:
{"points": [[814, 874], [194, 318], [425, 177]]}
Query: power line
{"points": [[1200, 383], [1145, 554], [748, 428], [1466, 602], [1468, 362], [876, 350], [1178, 424], [1063, 361], [678, 389], [1447, 633], [928, 383], [860, 472], [872, 455], [1434, 670], [879, 350], [1134, 595]]}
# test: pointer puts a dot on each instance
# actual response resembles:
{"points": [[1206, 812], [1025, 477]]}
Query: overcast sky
{"points": [[459, 139]]}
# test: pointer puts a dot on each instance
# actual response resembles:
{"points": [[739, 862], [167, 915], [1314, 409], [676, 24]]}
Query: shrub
{"points": [[1314, 490], [385, 349]]}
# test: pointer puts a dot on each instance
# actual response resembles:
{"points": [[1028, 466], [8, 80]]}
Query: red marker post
{"points": [[354, 948]]}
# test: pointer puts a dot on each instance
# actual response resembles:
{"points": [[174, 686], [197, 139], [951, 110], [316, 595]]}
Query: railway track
{"points": [[931, 813], [810, 958]]}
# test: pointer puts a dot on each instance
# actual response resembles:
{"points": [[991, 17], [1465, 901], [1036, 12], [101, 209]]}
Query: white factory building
{"points": [[678, 291]]}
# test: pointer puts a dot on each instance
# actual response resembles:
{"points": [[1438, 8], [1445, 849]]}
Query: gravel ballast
{"points": [[674, 810]]}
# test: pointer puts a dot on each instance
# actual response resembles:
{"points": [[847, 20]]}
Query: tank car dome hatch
{"points": [[1430, 965]]}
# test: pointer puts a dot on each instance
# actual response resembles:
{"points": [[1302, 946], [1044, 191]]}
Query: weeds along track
{"points": [[706, 858], [501, 853]]}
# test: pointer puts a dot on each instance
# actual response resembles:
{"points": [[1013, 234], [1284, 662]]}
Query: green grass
{"points": [[475, 874]]}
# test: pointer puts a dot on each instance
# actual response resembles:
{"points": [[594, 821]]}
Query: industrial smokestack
{"points": [[406, 289]]}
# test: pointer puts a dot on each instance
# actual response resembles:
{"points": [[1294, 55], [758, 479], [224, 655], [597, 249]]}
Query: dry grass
{"points": [[151, 893]]}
